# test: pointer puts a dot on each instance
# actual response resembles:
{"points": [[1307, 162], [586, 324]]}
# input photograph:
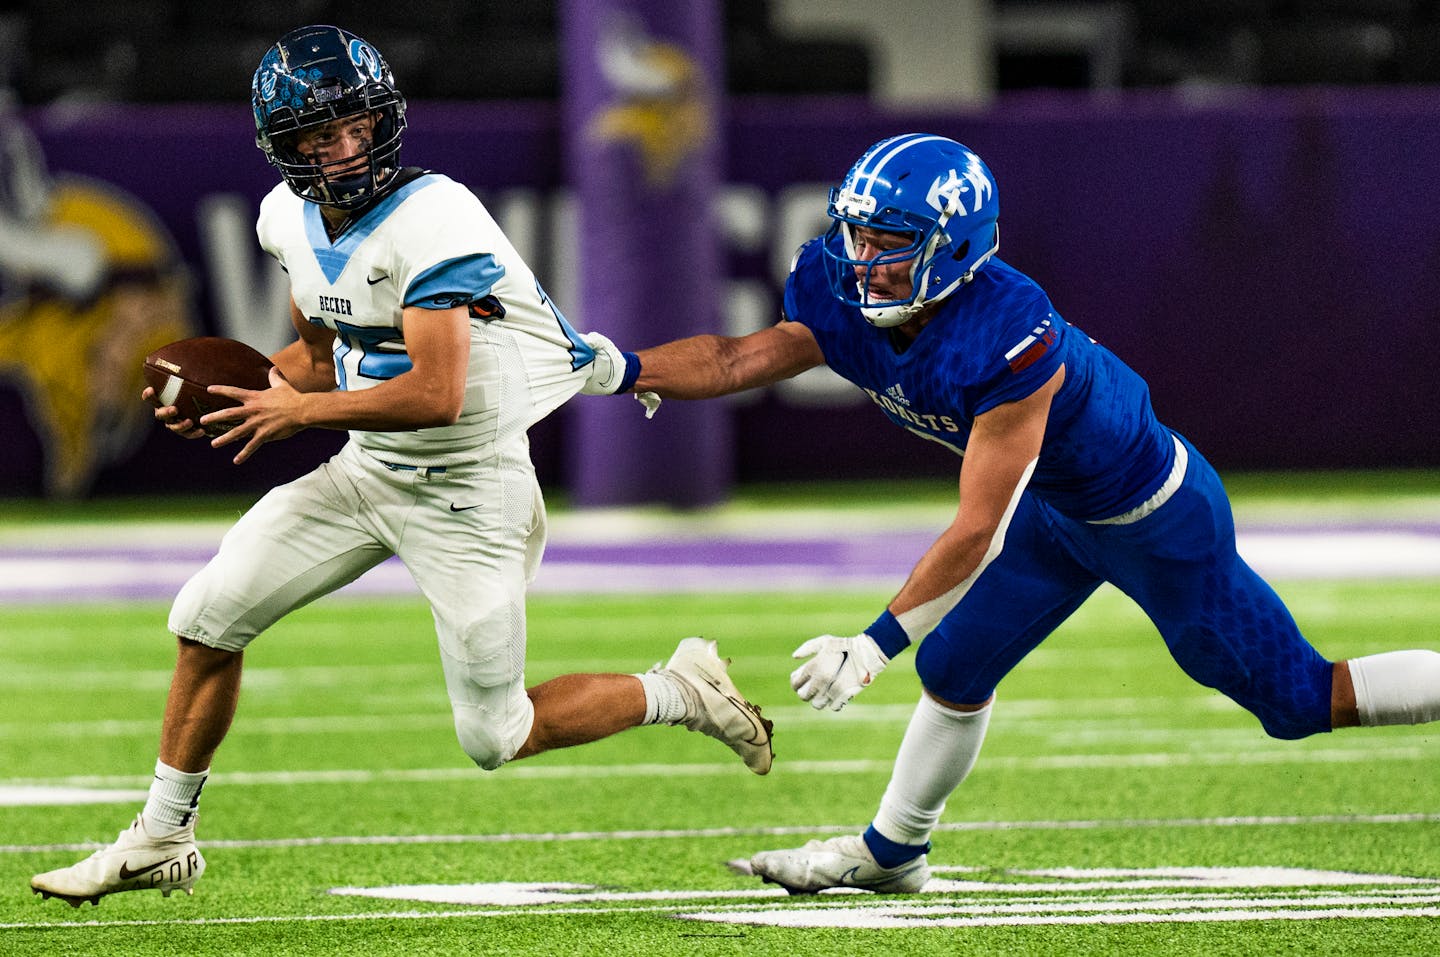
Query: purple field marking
{"points": [[34, 573]]}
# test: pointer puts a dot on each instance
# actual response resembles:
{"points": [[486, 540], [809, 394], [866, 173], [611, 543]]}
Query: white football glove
{"points": [[839, 669], [608, 369]]}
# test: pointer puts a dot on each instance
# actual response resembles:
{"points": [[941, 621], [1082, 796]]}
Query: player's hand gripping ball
{"points": [[180, 372]]}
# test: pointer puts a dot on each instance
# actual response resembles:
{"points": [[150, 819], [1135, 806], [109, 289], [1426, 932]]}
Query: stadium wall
{"points": [[1269, 261]]}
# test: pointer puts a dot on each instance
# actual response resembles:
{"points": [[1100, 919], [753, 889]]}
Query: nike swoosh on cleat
{"points": [[126, 873], [757, 726]]}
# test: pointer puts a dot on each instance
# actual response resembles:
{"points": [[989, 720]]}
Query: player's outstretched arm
{"points": [[1002, 452], [1000, 456], [702, 367]]}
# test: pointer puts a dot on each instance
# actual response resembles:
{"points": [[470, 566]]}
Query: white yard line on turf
{"points": [[1389, 752], [368, 840], [928, 910]]}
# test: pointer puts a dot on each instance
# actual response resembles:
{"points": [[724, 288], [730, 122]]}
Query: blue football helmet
{"points": [[313, 75], [929, 188]]}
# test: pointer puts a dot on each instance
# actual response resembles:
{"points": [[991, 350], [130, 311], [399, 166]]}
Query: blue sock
{"points": [[889, 853]]}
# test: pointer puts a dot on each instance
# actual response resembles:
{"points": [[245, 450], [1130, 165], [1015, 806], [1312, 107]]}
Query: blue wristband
{"points": [[632, 372], [888, 634]]}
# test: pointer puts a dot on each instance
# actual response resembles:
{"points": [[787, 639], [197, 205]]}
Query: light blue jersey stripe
{"points": [[334, 257]]}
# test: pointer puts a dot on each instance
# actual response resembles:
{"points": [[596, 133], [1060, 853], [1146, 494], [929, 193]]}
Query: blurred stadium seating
{"points": [[176, 50], [1045, 43]]}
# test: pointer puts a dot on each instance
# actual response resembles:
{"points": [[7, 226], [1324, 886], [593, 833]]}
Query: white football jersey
{"points": [[429, 243]]}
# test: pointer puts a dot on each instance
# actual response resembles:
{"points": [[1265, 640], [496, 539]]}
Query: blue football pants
{"points": [[1221, 622]]}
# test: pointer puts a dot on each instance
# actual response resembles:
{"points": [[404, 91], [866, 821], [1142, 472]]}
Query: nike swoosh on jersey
{"points": [[464, 508], [375, 281], [126, 873]]}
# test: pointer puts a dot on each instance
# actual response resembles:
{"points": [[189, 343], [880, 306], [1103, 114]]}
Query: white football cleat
{"points": [[838, 862], [135, 862], [714, 706]]}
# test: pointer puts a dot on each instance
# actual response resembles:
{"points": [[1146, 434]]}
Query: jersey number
{"points": [[375, 361]]}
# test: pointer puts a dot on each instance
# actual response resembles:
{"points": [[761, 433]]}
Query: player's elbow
{"points": [[439, 421], [448, 415], [973, 537], [439, 407]]}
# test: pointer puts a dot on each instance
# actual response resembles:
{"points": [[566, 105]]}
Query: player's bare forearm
{"points": [[431, 393], [408, 401], [305, 368], [702, 367], [694, 368]]}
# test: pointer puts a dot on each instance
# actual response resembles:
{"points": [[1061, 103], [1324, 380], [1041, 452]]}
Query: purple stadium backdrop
{"points": [[1271, 262], [641, 95]]}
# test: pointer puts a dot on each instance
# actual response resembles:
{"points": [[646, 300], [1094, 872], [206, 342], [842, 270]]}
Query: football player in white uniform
{"points": [[422, 333]]}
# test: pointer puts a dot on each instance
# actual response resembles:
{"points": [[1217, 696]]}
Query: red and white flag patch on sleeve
{"points": [[1029, 350]]}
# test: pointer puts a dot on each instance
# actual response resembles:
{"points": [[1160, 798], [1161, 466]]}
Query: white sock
{"points": [[1397, 687], [664, 701], [938, 751], [174, 798]]}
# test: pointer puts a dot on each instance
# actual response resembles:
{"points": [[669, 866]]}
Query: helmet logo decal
{"points": [[268, 82], [946, 192], [365, 57]]}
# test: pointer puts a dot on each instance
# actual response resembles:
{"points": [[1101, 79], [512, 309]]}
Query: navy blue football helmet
{"points": [[929, 188], [311, 76]]}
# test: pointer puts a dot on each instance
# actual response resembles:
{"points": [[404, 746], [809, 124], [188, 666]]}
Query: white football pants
{"points": [[470, 536]]}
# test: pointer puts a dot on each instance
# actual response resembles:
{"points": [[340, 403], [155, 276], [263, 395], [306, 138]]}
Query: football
{"points": [[180, 372]]}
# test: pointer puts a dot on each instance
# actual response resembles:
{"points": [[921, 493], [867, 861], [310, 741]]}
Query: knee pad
{"points": [[485, 738], [933, 666]]}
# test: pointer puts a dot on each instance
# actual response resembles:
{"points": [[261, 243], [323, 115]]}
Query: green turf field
{"points": [[1117, 808]]}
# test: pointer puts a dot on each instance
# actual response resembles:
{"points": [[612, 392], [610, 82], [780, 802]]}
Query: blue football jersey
{"points": [[998, 339]]}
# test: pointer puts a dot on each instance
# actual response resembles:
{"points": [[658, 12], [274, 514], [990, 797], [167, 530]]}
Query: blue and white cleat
{"points": [[838, 862], [135, 862]]}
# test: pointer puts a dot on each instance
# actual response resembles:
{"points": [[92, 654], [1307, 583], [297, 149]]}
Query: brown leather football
{"points": [[180, 372]]}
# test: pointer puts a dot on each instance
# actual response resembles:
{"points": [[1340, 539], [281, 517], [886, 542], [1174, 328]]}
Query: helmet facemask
{"points": [[346, 182], [850, 271]]}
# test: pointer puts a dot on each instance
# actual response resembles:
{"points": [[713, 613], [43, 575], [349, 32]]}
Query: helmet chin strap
{"points": [[886, 317]]}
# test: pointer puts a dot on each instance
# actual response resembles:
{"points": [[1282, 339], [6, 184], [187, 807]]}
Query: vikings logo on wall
{"points": [[90, 283], [660, 107]]}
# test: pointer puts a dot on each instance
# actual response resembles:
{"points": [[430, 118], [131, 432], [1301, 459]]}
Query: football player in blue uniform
{"points": [[421, 332], [1067, 480]]}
